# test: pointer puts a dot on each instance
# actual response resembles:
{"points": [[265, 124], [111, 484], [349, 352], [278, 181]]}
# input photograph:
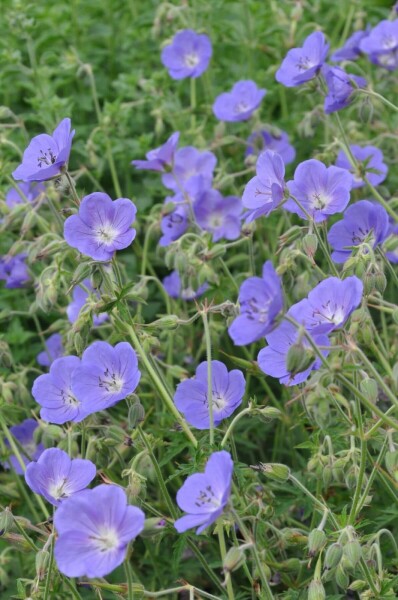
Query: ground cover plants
{"points": [[198, 356]]}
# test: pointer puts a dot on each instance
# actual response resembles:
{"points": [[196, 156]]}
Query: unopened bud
{"points": [[357, 586], [299, 358], [234, 559], [6, 520], [316, 591], [353, 552], [310, 244], [168, 322], [153, 526], [268, 413], [391, 460], [341, 577], [42, 560], [316, 541], [369, 389], [217, 251], [365, 111], [136, 415], [275, 471], [333, 556]]}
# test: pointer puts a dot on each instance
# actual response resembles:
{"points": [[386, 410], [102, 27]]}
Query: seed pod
{"points": [[316, 541], [333, 556]]}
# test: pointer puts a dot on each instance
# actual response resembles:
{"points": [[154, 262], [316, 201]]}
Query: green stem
{"points": [[234, 421], [25, 535], [50, 566], [223, 552], [75, 197], [209, 375], [315, 500], [129, 578], [378, 96], [193, 102], [359, 483], [376, 375]]}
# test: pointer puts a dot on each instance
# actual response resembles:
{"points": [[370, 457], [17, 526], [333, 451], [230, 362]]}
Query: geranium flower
{"points": [[265, 191], [54, 349], [13, 271], [381, 44], [94, 529], [57, 477], [204, 495], [101, 226], [27, 190], [303, 64], [24, 434], [340, 88], [173, 286], [80, 294], [188, 55], [240, 103], [46, 155], [228, 388], [262, 140], [161, 158], [370, 161], [192, 170], [351, 49], [218, 215]]}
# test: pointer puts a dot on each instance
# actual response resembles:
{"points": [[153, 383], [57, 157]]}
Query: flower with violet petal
{"points": [[240, 103], [218, 215], [351, 49], [340, 88], [329, 304], [173, 285], [24, 434], [80, 295], [25, 191], [371, 165], [303, 64], [228, 388], [94, 529], [261, 300], [161, 158], [321, 190], [272, 360], [362, 222], [13, 271], [57, 477], [188, 55], [265, 191], [46, 155], [53, 349], [53, 391], [381, 44], [105, 376], [175, 223], [203, 496], [278, 142], [192, 170], [101, 226]]}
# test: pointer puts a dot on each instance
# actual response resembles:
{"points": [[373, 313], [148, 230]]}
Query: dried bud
{"points": [[333, 556], [316, 541], [316, 591], [234, 559], [136, 415]]}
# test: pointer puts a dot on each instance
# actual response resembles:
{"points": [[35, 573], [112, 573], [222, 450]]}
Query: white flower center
{"points": [[215, 221], [241, 107], [206, 497], [191, 60], [389, 42], [218, 401], [57, 489], [319, 200], [333, 314], [106, 233], [113, 382], [106, 540]]}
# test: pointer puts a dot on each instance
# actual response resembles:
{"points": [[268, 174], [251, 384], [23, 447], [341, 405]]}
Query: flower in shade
{"points": [[391, 247], [106, 375], [161, 158], [351, 49], [80, 295], [381, 44], [175, 223], [320, 190], [191, 398], [303, 64], [53, 391], [53, 349], [363, 222], [188, 55], [340, 88], [25, 191], [24, 434], [218, 215], [240, 103], [13, 271], [57, 477], [46, 155], [329, 304], [265, 191], [193, 169], [261, 300], [370, 165], [94, 529], [272, 360], [203, 496], [101, 226], [174, 287], [278, 142]]}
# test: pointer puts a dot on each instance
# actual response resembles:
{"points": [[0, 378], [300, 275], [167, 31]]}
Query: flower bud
{"points": [[42, 560], [275, 471], [5, 355], [391, 460], [316, 591], [153, 526], [234, 559], [316, 541], [299, 358], [136, 415], [217, 251], [168, 322], [6, 520], [268, 413], [369, 389], [341, 577], [310, 244], [333, 556], [365, 111], [357, 586], [353, 552], [52, 434]]}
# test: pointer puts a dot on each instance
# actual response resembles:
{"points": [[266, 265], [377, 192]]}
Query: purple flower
{"points": [[265, 191], [46, 155], [192, 169], [204, 495], [13, 271], [329, 304], [54, 349], [321, 190], [218, 215], [381, 44], [106, 375], [351, 49], [302, 64], [173, 286], [94, 529], [188, 55], [228, 390], [24, 434], [57, 477], [53, 391], [262, 140], [175, 223], [340, 88], [101, 226], [260, 300], [272, 360], [161, 158], [240, 103], [27, 190], [362, 222], [371, 165], [80, 294]]}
